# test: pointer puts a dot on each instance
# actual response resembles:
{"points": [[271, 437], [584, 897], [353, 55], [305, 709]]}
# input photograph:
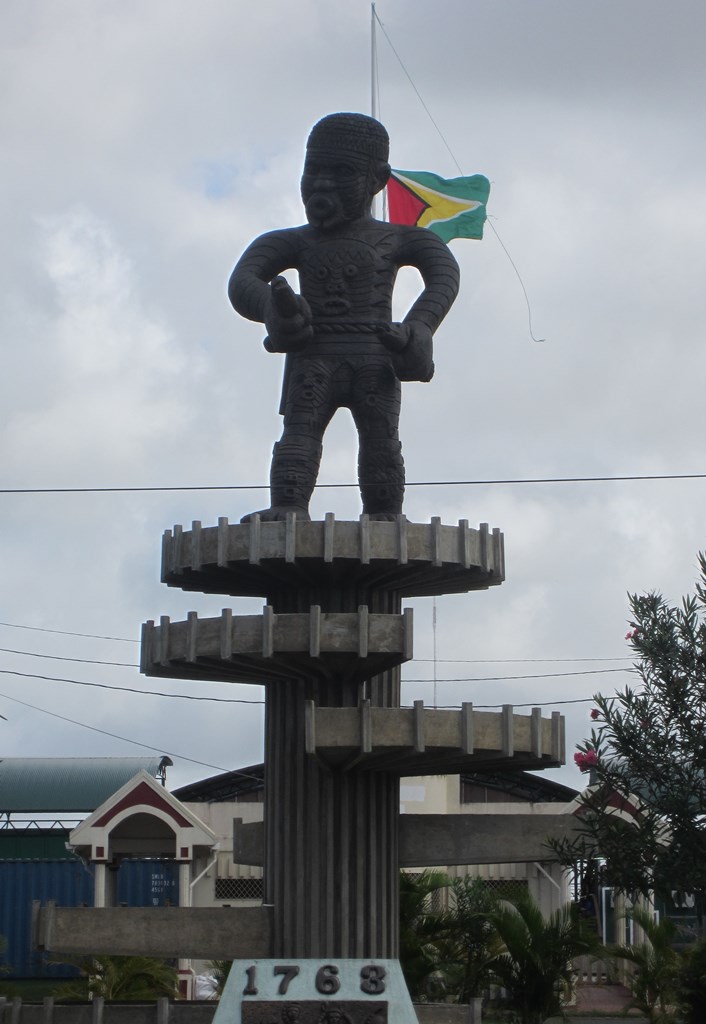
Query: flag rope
{"points": [[376, 92]]}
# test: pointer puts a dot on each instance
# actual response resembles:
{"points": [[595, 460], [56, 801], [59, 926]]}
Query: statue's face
{"points": [[337, 186]]}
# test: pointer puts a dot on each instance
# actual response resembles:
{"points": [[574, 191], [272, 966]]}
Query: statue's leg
{"points": [[376, 411], [295, 466], [308, 407]]}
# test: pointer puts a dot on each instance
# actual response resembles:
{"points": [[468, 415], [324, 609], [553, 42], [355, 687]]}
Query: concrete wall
{"points": [[546, 881], [431, 794], [165, 1012]]}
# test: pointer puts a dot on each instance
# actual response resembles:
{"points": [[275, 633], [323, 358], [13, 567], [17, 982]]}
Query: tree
{"points": [[535, 966], [133, 978], [470, 943], [420, 934], [647, 757], [655, 966], [691, 984]]}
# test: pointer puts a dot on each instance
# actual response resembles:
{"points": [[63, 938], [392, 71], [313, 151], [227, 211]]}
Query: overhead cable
{"points": [[490, 482]]}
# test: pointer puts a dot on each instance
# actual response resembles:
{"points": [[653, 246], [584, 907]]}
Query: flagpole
{"points": [[373, 64], [374, 97]]}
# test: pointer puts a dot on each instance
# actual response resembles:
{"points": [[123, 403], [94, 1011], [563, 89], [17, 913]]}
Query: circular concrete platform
{"points": [[348, 557]]}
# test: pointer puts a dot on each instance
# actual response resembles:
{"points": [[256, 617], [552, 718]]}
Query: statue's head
{"points": [[346, 165]]}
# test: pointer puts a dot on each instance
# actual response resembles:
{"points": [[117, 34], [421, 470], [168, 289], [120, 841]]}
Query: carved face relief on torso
{"points": [[345, 279]]}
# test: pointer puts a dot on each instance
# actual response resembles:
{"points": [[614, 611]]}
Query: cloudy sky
{"points": [[145, 144]]}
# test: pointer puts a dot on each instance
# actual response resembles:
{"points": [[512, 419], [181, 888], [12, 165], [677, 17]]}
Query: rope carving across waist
{"points": [[348, 327]]}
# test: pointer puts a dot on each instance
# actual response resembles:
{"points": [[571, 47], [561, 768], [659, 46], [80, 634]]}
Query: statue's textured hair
{"points": [[357, 132]]}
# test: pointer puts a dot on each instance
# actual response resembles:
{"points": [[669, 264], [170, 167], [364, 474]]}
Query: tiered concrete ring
{"points": [[410, 559], [261, 648], [427, 741]]}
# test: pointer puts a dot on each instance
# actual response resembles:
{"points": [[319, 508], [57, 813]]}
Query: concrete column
{"points": [[331, 836], [184, 884], [621, 931], [99, 885], [331, 841], [186, 976]]}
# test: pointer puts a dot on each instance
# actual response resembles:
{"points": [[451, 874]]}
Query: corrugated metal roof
{"points": [[46, 784]]}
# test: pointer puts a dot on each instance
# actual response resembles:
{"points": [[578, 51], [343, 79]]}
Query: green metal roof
{"points": [[64, 784]]}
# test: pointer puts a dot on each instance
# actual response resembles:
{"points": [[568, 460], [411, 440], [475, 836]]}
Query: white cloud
{"points": [[145, 144]]}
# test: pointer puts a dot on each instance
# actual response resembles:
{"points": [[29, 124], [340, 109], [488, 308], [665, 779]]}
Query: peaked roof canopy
{"points": [[64, 784], [141, 819]]}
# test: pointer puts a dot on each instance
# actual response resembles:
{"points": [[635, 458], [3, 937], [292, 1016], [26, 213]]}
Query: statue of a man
{"points": [[343, 350]]}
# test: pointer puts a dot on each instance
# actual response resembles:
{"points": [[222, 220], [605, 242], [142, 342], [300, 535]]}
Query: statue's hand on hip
{"points": [[288, 319], [411, 344]]}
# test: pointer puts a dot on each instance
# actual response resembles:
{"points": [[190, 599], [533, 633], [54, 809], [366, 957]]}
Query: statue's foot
{"points": [[278, 514], [384, 517]]}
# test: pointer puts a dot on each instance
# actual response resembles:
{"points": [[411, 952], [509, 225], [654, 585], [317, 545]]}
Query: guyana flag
{"points": [[450, 207]]}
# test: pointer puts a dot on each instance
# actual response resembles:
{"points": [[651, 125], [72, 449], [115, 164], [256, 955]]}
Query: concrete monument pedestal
{"points": [[328, 647]]}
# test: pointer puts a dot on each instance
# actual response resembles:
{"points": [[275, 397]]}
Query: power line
{"points": [[540, 675], [531, 704], [131, 640], [66, 632], [420, 661], [82, 661], [508, 661], [219, 768], [125, 739], [237, 700], [127, 689], [621, 478]]}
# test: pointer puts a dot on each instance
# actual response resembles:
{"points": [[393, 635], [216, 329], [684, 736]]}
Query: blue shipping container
{"points": [[148, 883], [68, 882], [140, 883]]}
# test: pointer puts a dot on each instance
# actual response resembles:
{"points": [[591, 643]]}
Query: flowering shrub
{"points": [[585, 760], [646, 753]]}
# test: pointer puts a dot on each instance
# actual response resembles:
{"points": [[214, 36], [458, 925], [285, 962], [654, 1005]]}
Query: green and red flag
{"points": [[450, 207]]}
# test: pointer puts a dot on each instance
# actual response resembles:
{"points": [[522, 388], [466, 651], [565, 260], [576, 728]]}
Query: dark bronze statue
{"points": [[343, 350]]}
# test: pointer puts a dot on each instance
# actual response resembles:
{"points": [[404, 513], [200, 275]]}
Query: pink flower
{"points": [[632, 633], [595, 713], [585, 761]]}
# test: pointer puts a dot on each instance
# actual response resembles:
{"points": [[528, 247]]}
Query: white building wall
{"points": [[219, 818], [547, 882]]}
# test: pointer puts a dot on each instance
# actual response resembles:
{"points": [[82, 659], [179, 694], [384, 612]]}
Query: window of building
{"points": [[238, 889]]}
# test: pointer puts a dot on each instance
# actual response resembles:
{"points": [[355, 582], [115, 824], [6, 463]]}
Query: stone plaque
{"points": [[341, 1011], [335, 991]]}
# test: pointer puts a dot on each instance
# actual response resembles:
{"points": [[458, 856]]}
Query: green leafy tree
{"points": [[655, 964], [535, 966], [470, 942], [130, 978], [220, 969], [421, 932], [647, 756], [691, 984]]}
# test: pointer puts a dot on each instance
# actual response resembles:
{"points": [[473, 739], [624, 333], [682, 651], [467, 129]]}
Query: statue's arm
{"points": [[262, 261], [257, 292], [434, 260], [411, 341]]}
